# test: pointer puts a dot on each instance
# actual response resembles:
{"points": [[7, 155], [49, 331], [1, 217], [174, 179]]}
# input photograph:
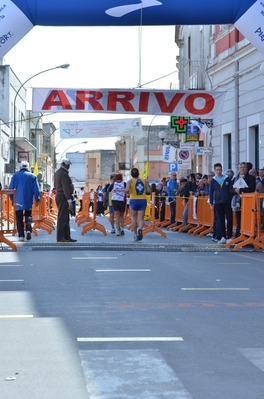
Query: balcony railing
{"points": [[194, 75]]}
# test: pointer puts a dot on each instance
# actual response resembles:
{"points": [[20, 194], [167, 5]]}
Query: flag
{"points": [[145, 171], [168, 153], [202, 126], [35, 172]]}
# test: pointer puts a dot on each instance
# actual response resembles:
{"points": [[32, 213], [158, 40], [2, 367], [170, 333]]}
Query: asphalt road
{"points": [[131, 325]]}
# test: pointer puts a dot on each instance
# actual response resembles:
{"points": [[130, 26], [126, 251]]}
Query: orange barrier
{"points": [[93, 224], [251, 222], [152, 228], [84, 215], [41, 216], [204, 217], [166, 222], [180, 205], [7, 217]]}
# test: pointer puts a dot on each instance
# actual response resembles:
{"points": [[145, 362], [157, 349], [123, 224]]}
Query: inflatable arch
{"points": [[128, 12], [18, 17]]}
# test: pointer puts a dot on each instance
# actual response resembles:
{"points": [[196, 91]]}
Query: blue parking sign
{"points": [[173, 167]]}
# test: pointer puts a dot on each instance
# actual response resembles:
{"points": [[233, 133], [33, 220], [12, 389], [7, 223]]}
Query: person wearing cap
{"points": [[64, 193], [27, 189]]}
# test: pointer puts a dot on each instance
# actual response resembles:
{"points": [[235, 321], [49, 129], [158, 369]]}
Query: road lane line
{"points": [[11, 265], [215, 289], [129, 339], [122, 270], [94, 257], [233, 263], [15, 316], [10, 281]]}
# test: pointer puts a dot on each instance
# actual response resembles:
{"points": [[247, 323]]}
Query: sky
{"points": [[99, 57]]}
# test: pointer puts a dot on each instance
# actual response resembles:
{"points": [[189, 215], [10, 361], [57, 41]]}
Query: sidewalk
{"points": [[174, 241]]}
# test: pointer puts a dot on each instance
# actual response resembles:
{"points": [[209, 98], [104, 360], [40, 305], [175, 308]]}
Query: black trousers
{"points": [[20, 222], [63, 220], [224, 213]]}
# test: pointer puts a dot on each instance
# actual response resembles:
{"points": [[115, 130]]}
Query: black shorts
{"points": [[118, 206]]}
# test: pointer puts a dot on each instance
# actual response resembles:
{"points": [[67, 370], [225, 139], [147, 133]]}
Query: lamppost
{"points": [[163, 135], [148, 138], [63, 66], [64, 152], [54, 155]]}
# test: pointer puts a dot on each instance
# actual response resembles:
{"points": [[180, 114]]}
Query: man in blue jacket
{"points": [[220, 201], [27, 188]]}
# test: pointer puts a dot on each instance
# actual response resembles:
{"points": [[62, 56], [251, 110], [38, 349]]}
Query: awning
{"points": [[23, 143]]}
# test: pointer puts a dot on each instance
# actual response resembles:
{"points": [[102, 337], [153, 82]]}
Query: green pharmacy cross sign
{"points": [[179, 123]]}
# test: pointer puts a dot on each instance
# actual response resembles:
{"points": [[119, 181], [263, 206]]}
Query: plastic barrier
{"points": [[84, 215], [41, 217], [153, 228], [204, 217], [251, 222], [7, 217], [93, 224], [180, 205]]}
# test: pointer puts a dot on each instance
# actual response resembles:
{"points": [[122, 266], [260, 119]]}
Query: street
{"points": [[127, 324]]}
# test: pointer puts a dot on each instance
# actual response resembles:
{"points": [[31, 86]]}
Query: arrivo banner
{"points": [[130, 101]]}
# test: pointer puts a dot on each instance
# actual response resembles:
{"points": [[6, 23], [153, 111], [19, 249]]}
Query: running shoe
{"points": [[140, 235]]}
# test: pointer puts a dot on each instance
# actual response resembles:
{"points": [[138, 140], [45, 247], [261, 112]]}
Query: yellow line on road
{"points": [[128, 339], [215, 289]]}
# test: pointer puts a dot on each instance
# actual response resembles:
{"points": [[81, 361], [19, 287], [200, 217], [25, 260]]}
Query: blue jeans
{"points": [[185, 215], [172, 212]]}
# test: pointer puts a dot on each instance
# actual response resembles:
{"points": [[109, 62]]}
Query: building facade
{"points": [[220, 58]]}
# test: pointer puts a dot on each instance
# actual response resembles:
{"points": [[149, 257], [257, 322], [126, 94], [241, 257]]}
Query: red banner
{"points": [[125, 101]]}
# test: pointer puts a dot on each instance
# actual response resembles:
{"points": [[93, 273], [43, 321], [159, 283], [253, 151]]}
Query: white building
{"points": [[220, 58]]}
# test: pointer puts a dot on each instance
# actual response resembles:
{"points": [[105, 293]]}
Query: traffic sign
{"points": [[173, 167], [203, 151], [184, 159]]}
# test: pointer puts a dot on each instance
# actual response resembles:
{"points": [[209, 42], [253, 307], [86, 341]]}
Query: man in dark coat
{"points": [[64, 200]]}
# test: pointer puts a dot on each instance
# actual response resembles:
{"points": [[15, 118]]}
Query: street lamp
{"points": [[148, 138], [63, 66], [83, 142], [163, 135]]}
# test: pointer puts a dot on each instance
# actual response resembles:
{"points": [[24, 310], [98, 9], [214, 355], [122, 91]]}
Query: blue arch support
{"points": [[128, 12]]}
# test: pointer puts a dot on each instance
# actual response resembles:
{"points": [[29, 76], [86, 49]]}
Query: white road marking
{"points": [[215, 289], [15, 316], [233, 263], [130, 374], [129, 339], [95, 257], [255, 355], [122, 270], [10, 281], [11, 265]]}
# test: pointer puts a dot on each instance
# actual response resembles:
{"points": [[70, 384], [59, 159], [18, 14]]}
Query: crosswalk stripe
{"points": [[255, 355], [130, 374]]}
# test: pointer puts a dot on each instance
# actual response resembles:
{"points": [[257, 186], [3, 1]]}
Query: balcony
{"points": [[194, 75]]}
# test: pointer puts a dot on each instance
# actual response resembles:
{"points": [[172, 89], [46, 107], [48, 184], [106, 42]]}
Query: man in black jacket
{"points": [[64, 191], [220, 201], [251, 183]]}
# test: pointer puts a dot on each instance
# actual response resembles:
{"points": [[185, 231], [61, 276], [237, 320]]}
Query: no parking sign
{"points": [[184, 159]]}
